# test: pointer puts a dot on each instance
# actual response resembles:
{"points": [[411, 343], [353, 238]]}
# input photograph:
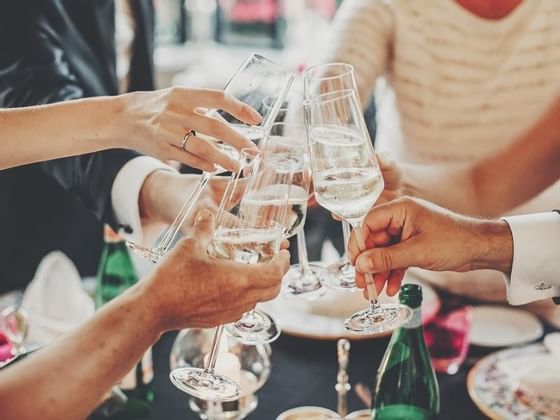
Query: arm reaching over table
{"points": [[189, 289], [154, 123], [414, 233]]}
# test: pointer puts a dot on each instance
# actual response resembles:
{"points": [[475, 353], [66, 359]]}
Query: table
{"points": [[304, 373]]}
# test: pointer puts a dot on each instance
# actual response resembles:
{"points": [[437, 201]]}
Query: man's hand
{"points": [[392, 177], [415, 233], [191, 289], [164, 193]]}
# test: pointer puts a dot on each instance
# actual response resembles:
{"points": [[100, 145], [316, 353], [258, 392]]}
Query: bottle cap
{"points": [[411, 295]]}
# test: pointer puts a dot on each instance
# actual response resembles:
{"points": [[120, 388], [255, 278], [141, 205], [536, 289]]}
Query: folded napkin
{"points": [[537, 375], [55, 299]]}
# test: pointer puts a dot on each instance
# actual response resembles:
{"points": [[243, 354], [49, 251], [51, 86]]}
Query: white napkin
{"points": [[538, 375], [55, 299]]}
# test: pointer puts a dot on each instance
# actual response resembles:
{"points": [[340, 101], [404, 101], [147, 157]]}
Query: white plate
{"points": [[323, 319], [496, 326], [495, 392]]}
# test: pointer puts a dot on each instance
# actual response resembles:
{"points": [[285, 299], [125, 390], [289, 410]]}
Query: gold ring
{"points": [[186, 138]]}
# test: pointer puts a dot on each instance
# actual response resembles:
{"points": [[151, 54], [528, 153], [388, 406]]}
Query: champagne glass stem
{"points": [[346, 236], [175, 227], [372, 293], [211, 364], [302, 252]]}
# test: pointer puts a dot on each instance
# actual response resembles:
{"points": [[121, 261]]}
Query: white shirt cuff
{"points": [[125, 194], [535, 272]]}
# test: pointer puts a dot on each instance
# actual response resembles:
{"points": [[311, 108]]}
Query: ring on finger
{"points": [[186, 137]]}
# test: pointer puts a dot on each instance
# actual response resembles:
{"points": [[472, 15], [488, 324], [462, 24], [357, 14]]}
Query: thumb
{"points": [[379, 260], [392, 174], [203, 228]]}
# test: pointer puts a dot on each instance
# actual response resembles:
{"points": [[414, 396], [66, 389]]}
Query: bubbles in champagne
{"points": [[246, 245]]}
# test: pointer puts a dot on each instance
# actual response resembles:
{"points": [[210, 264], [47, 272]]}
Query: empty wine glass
{"points": [[256, 79], [347, 181], [319, 80], [248, 231], [15, 325], [270, 189]]}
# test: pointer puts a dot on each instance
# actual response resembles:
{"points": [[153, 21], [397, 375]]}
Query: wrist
{"points": [[496, 246], [140, 308], [116, 131]]}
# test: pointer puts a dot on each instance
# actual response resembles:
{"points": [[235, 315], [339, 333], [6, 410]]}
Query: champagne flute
{"points": [[347, 181], [248, 234], [256, 79], [290, 140], [318, 80], [271, 191]]}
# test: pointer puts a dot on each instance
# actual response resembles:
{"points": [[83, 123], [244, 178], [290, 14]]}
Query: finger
{"points": [[399, 256], [220, 130], [394, 282], [210, 153], [175, 153], [203, 229], [388, 217], [285, 244], [392, 173], [222, 100], [271, 273], [360, 280]]}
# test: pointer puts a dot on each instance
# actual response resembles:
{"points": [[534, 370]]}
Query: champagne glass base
{"points": [[300, 284], [151, 254], [256, 327], [340, 276], [205, 385], [386, 318]]}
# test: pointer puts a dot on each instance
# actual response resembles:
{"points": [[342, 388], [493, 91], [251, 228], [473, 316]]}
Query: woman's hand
{"points": [[156, 123]]}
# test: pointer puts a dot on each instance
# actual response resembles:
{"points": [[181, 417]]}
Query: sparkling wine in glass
{"points": [[347, 181], [245, 234], [289, 140], [268, 193], [319, 80], [257, 78]]}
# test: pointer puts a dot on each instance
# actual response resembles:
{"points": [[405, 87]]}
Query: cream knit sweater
{"points": [[455, 87]]}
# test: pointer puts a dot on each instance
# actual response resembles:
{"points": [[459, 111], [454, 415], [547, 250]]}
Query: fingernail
{"points": [[255, 116], [202, 216], [385, 158]]}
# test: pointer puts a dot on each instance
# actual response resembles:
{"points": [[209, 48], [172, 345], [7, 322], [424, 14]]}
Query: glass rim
{"points": [[349, 69], [330, 97]]}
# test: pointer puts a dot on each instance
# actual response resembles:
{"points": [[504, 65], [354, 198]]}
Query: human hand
{"points": [[164, 192], [189, 289], [410, 232], [156, 122]]}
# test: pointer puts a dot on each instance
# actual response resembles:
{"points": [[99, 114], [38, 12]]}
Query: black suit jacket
{"points": [[56, 50]]}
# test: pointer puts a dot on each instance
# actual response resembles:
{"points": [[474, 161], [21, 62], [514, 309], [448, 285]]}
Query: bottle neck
{"points": [[415, 320]]}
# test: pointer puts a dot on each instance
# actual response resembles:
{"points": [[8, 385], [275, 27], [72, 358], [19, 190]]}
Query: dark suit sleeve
{"points": [[35, 69]]}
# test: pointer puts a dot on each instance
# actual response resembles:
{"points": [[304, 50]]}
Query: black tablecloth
{"points": [[304, 373]]}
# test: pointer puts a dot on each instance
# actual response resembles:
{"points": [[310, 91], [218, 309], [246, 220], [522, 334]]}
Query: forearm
{"points": [[495, 251], [68, 378], [498, 183], [450, 186], [41, 133]]}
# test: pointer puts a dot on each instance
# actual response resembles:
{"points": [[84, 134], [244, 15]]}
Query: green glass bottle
{"points": [[406, 387], [116, 274]]}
